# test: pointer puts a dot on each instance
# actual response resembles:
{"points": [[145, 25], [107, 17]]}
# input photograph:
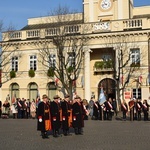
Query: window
{"points": [[72, 59], [135, 56], [52, 60], [33, 62], [137, 93], [106, 57], [14, 63]]}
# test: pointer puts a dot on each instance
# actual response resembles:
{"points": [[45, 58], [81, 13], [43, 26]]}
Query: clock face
{"points": [[105, 4]]}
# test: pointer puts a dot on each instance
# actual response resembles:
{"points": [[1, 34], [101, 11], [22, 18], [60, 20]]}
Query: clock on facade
{"points": [[105, 4]]}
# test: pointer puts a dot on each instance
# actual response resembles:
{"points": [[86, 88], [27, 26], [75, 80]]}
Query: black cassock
{"points": [[55, 115], [77, 115], [44, 122], [97, 111], [65, 106]]}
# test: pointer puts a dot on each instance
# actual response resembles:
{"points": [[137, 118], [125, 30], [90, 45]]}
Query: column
{"points": [[87, 75]]}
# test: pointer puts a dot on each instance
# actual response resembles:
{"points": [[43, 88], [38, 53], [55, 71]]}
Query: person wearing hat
{"points": [[77, 115], [55, 114], [66, 112], [44, 122]]}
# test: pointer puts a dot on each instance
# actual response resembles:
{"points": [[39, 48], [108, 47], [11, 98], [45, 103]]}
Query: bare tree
{"points": [[8, 50], [62, 52], [123, 66]]}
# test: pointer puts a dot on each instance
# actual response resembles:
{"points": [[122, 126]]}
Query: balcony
{"points": [[132, 24], [91, 28], [103, 66], [15, 35]]}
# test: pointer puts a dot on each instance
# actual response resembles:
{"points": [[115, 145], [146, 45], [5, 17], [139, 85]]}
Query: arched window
{"points": [[33, 91], [14, 88], [51, 88]]}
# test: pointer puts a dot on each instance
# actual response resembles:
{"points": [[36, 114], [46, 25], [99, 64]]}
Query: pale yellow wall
{"points": [[143, 10], [99, 40]]}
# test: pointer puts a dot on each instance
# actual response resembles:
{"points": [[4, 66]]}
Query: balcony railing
{"points": [[93, 27], [15, 35], [33, 33], [133, 23], [103, 66]]}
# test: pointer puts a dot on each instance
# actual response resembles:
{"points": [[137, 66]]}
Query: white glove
{"points": [[40, 119]]}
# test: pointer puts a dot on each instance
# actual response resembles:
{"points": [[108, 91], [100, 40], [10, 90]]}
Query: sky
{"points": [[17, 12]]}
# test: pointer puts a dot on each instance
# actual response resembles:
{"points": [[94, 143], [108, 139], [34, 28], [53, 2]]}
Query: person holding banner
{"points": [[44, 117], [124, 109]]}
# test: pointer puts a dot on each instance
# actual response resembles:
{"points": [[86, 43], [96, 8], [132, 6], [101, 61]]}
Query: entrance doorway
{"points": [[109, 87]]}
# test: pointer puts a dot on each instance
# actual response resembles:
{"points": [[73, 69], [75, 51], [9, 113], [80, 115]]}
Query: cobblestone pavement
{"points": [[21, 134]]}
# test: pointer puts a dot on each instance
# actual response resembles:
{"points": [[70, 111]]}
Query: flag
{"points": [[121, 79], [13, 100], [148, 79], [140, 79], [102, 97], [56, 81], [82, 81]]}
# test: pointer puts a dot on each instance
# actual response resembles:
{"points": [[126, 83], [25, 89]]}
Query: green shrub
{"points": [[31, 73], [12, 74]]}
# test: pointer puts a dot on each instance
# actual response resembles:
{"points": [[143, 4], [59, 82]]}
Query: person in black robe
{"points": [[97, 111], [66, 110], [0, 108], [124, 109], [44, 117], [145, 109], [55, 115], [77, 116], [139, 109]]}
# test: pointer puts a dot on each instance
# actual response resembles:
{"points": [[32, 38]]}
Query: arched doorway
{"points": [[51, 88], [14, 89], [33, 91], [109, 87]]}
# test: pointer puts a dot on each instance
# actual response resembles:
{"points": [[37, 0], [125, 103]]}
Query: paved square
{"points": [[21, 134]]}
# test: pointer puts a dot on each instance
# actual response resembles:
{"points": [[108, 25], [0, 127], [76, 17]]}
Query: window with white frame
{"points": [[137, 93], [52, 60], [135, 56], [33, 62], [71, 59], [14, 63]]}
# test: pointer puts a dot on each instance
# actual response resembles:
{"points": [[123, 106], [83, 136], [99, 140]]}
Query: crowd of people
{"points": [[60, 115], [19, 108], [134, 109], [63, 114]]}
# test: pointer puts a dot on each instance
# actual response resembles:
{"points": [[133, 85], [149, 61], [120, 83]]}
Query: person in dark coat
{"points": [[55, 114], [66, 110], [0, 109], [131, 104], [77, 116], [124, 109], [44, 117], [97, 111], [145, 108], [139, 109], [109, 109], [114, 104]]}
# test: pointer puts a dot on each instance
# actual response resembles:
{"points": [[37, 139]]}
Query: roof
{"points": [[50, 25]]}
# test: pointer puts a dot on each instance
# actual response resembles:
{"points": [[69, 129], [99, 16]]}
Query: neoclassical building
{"points": [[118, 41]]}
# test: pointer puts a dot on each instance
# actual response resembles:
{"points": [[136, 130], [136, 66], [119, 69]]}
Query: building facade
{"points": [[117, 53]]}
